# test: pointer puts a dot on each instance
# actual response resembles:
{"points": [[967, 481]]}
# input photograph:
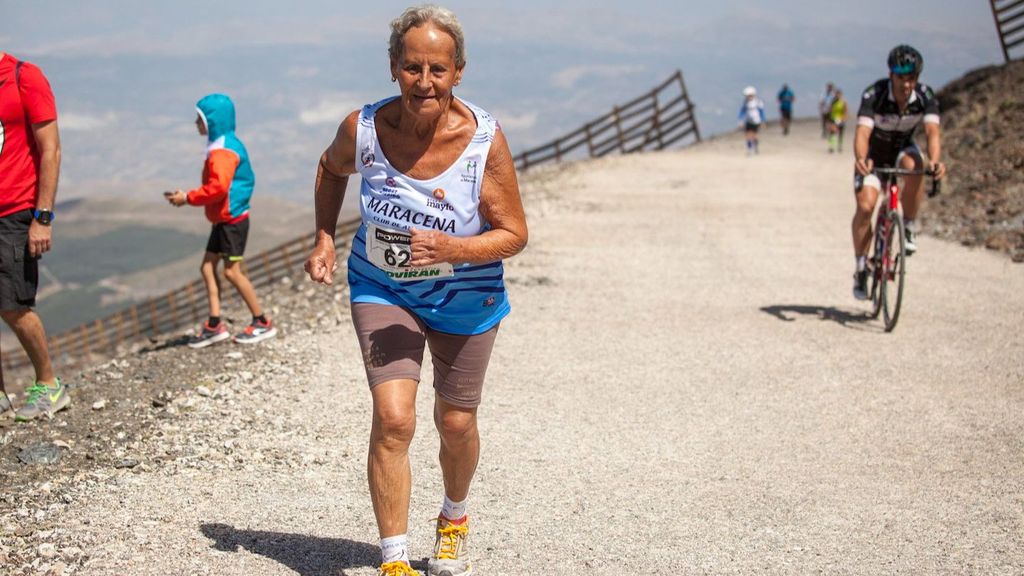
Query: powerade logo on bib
{"points": [[391, 251]]}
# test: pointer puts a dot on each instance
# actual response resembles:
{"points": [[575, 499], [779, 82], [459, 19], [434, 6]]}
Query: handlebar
{"points": [[936, 184]]}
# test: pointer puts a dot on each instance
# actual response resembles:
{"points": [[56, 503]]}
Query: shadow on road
{"points": [[306, 555], [789, 313]]}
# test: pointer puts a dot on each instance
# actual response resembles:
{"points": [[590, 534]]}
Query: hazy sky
{"points": [[127, 73]]}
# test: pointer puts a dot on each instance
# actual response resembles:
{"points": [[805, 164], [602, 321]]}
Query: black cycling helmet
{"points": [[904, 59]]}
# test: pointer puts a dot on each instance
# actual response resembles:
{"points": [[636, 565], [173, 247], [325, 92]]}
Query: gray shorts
{"points": [[392, 340], [19, 272]]}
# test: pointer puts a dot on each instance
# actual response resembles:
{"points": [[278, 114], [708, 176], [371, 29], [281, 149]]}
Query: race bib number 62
{"points": [[391, 251]]}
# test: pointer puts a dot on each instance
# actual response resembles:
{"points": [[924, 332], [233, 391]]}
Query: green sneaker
{"points": [[43, 400]]}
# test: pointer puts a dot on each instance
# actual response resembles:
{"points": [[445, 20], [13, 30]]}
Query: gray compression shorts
{"points": [[392, 340]]}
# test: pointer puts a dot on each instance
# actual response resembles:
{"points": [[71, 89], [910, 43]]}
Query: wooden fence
{"points": [[174, 310], [1009, 17], [653, 121]]}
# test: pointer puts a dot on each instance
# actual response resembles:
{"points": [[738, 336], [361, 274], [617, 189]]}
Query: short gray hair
{"points": [[415, 16]]}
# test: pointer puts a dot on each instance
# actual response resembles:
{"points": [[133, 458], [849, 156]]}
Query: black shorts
{"points": [[229, 240], [751, 127], [786, 114], [19, 272]]}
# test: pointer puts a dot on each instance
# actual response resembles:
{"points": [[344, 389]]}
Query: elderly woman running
{"points": [[440, 209]]}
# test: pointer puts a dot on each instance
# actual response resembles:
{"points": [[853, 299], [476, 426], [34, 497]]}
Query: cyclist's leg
{"points": [[866, 191], [912, 194]]}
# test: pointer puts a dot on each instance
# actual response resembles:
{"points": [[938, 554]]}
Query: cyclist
{"points": [[890, 112]]}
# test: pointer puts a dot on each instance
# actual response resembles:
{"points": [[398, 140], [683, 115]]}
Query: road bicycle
{"points": [[887, 264]]}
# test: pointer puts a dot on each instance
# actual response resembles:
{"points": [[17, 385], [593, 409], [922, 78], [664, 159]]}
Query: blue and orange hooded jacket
{"points": [[228, 179]]}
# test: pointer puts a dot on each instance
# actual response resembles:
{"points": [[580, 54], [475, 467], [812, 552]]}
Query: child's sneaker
{"points": [[257, 332], [209, 336]]}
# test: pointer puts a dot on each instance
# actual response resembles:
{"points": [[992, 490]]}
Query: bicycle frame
{"points": [[888, 263]]}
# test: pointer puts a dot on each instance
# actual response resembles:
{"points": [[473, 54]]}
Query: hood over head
{"points": [[218, 113]]}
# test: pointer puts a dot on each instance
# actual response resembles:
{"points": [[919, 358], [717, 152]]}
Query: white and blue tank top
{"points": [[457, 299]]}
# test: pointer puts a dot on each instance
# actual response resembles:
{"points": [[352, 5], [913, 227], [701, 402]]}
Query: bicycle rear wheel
{"points": [[894, 263]]}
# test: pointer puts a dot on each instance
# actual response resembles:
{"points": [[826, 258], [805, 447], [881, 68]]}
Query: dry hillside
{"points": [[982, 203]]}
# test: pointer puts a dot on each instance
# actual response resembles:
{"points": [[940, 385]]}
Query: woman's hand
{"points": [[322, 263], [432, 247]]}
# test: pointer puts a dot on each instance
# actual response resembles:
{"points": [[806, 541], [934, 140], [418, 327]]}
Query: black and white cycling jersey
{"points": [[892, 131]]}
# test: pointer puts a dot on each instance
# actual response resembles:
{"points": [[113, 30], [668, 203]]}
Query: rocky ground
{"points": [[161, 414], [161, 406], [164, 409], [982, 203]]}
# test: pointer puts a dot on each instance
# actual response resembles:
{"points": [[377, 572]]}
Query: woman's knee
{"points": [[456, 425], [395, 427]]}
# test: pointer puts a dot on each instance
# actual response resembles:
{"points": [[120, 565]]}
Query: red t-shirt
{"points": [[19, 109]]}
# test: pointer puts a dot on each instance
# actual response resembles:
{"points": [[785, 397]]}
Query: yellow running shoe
{"points": [[450, 549], [396, 569]]}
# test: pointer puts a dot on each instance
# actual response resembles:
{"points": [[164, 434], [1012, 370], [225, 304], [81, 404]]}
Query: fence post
{"points": [[287, 258], [999, 32], [689, 105], [101, 340], [191, 290], [135, 321], [120, 328], [86, 349], [174, 309], [55, 347], [657, 122], [152, 317], [618, 129]]}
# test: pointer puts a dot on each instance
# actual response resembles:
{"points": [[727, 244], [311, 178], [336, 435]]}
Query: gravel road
{"points": [[685, 386]]}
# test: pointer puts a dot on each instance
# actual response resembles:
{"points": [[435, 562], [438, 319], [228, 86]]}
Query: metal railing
{"points": [[174, 310], [658, 119], [1009, 17]]}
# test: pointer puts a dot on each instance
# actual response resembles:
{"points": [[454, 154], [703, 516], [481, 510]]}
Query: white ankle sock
{"points": [[394, 549], [862, 263], [453, 510], [908, 223]]}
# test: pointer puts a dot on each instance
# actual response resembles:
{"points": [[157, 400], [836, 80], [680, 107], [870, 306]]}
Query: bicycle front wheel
{"points": [[875, 267], [894, 263]]}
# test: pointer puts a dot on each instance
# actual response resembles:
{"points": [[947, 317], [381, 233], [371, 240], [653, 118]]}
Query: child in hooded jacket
{"points": [[228, 182]]}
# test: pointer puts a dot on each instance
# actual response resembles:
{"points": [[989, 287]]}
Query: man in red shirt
{"points": [[29, 167]]}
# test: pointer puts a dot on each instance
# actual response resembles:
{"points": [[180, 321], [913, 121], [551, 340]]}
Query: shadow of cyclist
{"points": [[306, 555], [790, 312]]}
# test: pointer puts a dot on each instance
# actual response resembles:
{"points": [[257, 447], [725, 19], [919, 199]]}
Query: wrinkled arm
{"points": [[502, 208], [337, 163]]}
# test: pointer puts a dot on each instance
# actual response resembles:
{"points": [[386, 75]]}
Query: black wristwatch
{"points": [[44, 217]]}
